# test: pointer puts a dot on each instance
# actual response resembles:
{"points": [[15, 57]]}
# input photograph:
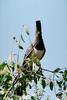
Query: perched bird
{"points": [[37, 48]]}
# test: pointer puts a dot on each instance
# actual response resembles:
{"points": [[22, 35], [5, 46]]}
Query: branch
{"points": [[48, 70]]}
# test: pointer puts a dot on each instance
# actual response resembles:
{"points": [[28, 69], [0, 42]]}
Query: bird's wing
{"points": [[30, 49]]}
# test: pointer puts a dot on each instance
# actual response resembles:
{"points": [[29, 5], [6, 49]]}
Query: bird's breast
{"points": [[39, 53]]}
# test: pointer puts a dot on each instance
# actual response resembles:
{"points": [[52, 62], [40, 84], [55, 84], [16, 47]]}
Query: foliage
{"points": [[11, 85]]}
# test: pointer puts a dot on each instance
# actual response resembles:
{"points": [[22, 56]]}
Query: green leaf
{"points": [[51, 85], [1, 97], [65, 78], [65, 72], [20, 47], [38, 77], [43, 83], [32, 98], [19, 90], [8, 77], [65, 75], [14, 38], [35, 79], [61, 72], [59, 94], [64, 86], [6, 85], [3, 65], [59, 83], [22, 38], [5, 81], [57, 70], [1, 77], [27, 33]]}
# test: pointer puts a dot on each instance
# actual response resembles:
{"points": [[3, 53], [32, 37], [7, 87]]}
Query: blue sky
{"points": [[53, 15]]}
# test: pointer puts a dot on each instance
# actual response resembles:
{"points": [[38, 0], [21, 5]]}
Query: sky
{"points": [[53, 15]]}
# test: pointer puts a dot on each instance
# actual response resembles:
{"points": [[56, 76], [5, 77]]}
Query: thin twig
{"points": [[48, 70]]}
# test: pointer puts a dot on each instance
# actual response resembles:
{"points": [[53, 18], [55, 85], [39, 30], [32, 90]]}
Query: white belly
{"points": [[38, 53]]}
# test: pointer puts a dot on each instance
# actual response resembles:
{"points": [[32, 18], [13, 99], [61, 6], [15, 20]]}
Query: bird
{"points": [[37, 48]]}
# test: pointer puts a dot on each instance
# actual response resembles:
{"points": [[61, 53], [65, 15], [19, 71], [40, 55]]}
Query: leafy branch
{"points": [[27, 77]]}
